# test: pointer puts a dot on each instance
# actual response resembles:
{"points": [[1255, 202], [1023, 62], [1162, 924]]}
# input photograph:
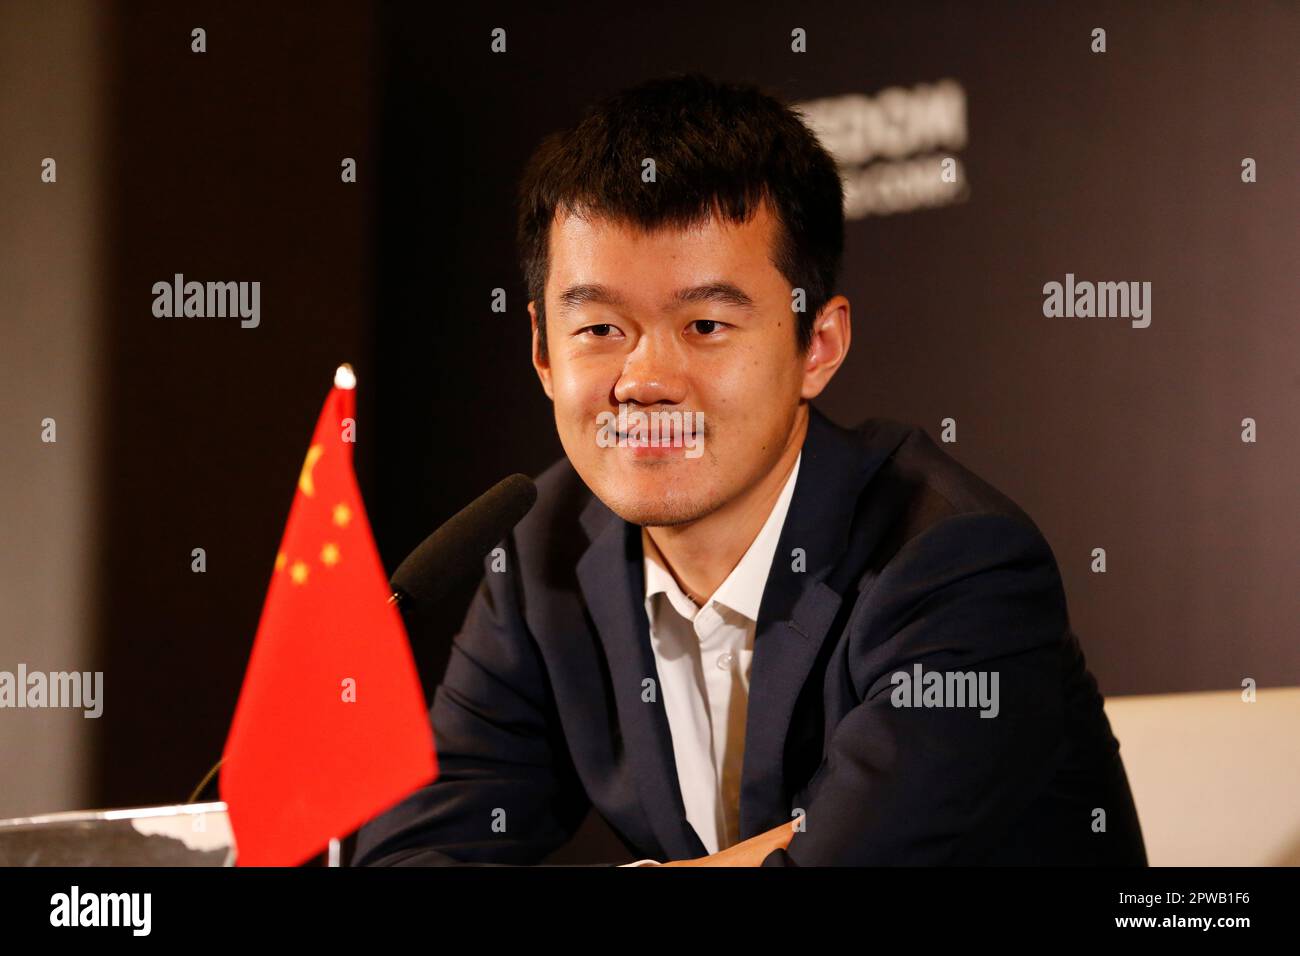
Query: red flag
{"points": [[331, 726]]}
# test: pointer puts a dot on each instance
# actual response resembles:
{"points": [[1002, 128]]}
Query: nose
{"points": [[653, 373]]}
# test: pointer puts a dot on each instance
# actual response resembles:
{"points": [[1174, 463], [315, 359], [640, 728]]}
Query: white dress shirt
{"points": [[703, 655]]}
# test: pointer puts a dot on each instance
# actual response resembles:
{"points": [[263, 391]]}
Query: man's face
{"points": [[698, 320]]}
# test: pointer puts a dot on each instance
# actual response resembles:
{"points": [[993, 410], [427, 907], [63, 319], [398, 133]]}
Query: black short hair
{"points": [[717, 147]]}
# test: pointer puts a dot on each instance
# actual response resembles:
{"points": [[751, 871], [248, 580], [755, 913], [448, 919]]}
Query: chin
{"points": [[656, 509]]}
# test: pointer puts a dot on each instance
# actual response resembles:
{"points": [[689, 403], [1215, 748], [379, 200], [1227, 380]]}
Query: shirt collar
{"points": [[742, 591]]}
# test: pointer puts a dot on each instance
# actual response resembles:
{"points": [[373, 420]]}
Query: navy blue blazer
{"points": [[894, 559]]}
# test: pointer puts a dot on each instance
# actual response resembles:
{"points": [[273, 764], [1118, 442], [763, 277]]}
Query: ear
{"points": [[832, 333], [540, 364]]}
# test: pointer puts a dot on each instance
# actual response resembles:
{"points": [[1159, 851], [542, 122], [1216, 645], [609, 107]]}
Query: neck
{"points": [[701, 554]]}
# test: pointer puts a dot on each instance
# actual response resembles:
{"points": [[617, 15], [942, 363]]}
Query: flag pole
{"points": [[344, 377]]}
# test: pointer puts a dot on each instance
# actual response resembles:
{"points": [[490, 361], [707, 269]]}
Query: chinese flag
{"points": [[331, 727]]}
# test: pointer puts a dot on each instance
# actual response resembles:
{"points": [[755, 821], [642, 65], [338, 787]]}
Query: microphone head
{"points": [[453, 555]]}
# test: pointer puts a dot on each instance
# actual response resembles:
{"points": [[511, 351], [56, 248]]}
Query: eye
{"points": [[600, 331], [708, 327]]}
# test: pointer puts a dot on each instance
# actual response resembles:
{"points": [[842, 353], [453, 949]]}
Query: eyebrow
{"points": [[725, 293]]}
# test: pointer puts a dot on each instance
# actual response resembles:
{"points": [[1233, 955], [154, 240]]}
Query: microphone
{"points": [[453, 554]]}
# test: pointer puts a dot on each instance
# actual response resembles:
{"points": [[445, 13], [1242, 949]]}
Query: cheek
{"points": [[577, 390], [743, 384], [753, 397]]}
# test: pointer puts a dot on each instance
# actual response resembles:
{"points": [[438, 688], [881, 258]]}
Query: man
{"points": [[761, 639]]}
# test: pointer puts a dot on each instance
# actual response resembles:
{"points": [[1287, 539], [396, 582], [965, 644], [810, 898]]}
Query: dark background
{"points": [[1122, 166]]}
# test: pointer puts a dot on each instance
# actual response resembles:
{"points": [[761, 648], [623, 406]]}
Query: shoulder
{"points": [[551, 535], [924, 467], [919, 486], [931, 534]]}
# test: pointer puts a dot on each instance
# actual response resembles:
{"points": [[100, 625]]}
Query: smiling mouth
{"points": [[643, 442]]}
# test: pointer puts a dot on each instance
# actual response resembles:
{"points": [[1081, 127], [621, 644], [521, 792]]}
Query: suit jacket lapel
{"points": [[613, 585], [799, 605]]}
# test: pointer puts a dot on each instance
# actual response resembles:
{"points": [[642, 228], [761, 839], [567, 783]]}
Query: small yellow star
{"points": [[279, 561], [342, 515], [298, 572], [305, 483], [330, 554]]}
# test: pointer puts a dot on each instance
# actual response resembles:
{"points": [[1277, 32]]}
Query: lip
{"points": [[668, 450]]}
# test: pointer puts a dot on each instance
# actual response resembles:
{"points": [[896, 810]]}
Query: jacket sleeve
{"points": [[978, 595], [506, 792]]}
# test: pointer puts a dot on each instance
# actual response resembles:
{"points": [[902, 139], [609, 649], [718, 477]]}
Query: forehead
{"points": [[597, 249]]}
